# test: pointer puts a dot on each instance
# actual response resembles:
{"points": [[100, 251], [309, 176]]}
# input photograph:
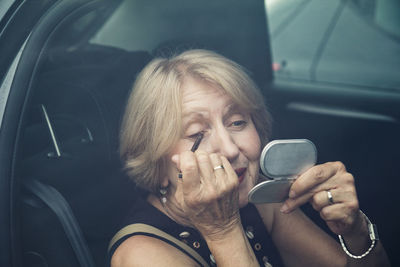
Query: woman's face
{"points": [[228, 130]]}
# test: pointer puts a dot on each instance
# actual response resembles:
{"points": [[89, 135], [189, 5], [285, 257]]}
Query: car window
{"points": [[6, 84], [344, 42], [4, 6], [156, 26]]}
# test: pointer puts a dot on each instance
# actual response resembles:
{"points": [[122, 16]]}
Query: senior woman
{"points": [[197, 211]]}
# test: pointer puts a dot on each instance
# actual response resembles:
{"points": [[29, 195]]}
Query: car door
{"points": [[17, 20], [352, 122], [62, 66], [24, 30], [336, 82]]}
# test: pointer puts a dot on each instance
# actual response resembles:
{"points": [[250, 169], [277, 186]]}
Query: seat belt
{"points": [[57, 203]]}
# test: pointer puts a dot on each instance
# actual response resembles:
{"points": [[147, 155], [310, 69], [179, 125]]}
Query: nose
{"points": [[223, 142]]}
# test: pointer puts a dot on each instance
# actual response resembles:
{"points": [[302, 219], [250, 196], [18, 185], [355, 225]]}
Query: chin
{"points": [[243, 198], [243, 202], [244, 190]]}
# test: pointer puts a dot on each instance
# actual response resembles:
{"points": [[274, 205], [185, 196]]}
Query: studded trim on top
{"points": [[144, 229], [265, 251]]}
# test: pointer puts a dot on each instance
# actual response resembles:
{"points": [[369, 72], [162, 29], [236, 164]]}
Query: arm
{"points": [[209, 200], [299, 239], [233, 249], [140, 250], [206, 200]]}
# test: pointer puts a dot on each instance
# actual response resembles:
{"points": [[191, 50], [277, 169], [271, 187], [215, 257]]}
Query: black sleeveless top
{"points": [[144, 216]]}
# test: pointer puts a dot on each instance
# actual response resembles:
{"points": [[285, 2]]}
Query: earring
{"points": [[163, 192]]}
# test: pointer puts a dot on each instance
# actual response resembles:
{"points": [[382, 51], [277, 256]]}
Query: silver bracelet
{"points": [[373, 236]]}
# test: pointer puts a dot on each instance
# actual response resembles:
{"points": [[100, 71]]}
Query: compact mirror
{"points": [[282, 161]]}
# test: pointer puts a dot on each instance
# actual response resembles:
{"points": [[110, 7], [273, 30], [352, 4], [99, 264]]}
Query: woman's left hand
{"points": [[331, 191]]}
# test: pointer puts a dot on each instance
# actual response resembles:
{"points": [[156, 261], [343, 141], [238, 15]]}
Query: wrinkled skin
{"points": [[206, 199], [312, 186]]}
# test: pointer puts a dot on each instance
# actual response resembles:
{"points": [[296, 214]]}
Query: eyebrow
{"points": [[233, 108], [189, 113], [192, 117]]}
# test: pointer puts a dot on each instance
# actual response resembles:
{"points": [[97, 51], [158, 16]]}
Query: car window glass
{"points": [[6, 84], [156, 26], [4, 6], [346, 42], [152, 21]]}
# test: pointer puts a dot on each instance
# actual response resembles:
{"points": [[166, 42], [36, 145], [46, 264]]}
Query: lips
{"points": [[240, 173]]}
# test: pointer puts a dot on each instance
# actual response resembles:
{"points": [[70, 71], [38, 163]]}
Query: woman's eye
{"points": [[239, 123], [194, 136]]}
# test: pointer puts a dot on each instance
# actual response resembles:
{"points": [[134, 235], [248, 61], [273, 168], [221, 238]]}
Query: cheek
{"points": [[251, 145], [252, 149]]}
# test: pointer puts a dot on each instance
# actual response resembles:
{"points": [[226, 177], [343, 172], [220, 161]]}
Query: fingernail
{"points": [[292, 194], [284, 208]]}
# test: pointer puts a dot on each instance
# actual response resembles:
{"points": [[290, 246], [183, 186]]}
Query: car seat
{"points": [[70, 156]]}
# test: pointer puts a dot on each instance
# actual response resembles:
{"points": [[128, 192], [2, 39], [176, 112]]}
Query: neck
{"points": [[173, 211]]}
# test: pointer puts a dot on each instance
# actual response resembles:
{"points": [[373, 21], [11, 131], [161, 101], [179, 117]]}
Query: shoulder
{"points": [[141, 250], [268, 213]]}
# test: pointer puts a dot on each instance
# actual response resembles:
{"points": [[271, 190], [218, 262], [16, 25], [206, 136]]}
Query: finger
{"points": [[216, 162], [190, 172], [205, 167], [318, 197], [333, 212], [338, 213], [231, 180], [339, 218], [230, 172], [313, 177], [293, 203], [320, 200], [224, 181]]}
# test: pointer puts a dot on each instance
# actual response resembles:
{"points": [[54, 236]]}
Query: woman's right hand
{"points": [[208, 198]]}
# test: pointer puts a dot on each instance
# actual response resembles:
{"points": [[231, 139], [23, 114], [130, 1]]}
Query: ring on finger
{"points": [[330, 198], [218, 167]]}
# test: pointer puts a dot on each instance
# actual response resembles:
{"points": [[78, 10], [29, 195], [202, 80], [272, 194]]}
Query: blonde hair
{"points": [[152, 122]]}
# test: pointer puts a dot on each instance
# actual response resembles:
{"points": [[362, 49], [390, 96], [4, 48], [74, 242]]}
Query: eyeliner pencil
{"points": [[193, 149], [197, 142]]}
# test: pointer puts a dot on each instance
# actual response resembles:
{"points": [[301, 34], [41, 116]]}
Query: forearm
{"points": [[377, 257], [359, 244], [232, 249]]}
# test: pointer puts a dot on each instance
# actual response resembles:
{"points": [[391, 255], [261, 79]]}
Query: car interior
{"points": [[73, 189], [77, 69]]}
